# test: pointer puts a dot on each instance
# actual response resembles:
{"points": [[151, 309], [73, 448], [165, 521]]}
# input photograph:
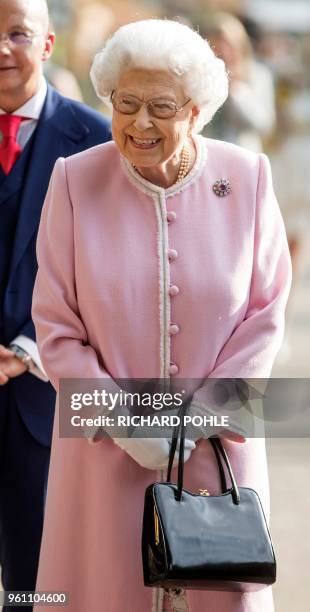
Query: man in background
{"points": [[37, 125]]}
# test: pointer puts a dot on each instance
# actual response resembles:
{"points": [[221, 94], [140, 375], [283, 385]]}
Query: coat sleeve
{"points": [[250, 351], [61, 335]]}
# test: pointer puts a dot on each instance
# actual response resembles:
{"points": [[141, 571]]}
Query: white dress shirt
{"points": [[32, 110]]}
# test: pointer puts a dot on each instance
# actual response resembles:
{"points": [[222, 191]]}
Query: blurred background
{"points": [[266, 48]]}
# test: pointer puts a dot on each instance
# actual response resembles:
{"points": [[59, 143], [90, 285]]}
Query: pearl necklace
{"points": [[186, 157], [184, 165]]}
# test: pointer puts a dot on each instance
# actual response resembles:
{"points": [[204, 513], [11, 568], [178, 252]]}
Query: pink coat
{"points": [[110, 250]]}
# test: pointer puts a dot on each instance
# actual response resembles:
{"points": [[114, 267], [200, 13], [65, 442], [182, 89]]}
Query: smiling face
{"points": [[21, 65], [144, 140]]}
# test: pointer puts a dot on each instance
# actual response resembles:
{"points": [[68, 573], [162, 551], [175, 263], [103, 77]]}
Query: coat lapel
{"points": [[57, 134]]}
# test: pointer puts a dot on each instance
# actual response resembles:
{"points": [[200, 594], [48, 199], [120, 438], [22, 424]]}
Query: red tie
{"points": [[9, 147]]}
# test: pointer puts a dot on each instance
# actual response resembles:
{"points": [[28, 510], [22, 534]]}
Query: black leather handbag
{"points": [[202, 541]]}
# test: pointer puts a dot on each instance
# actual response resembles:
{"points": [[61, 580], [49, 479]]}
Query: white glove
{"points": [[153, 453]]}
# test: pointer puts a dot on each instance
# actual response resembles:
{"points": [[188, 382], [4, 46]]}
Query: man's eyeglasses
{"points": [[159, 108], [18, 38]]}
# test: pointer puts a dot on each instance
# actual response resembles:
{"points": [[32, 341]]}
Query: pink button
{"points": [[171, 215], [174, 329], [172, 254], [173, 290], [173, 369]]}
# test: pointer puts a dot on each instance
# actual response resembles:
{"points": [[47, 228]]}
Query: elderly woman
{"points": [[161, 255]]}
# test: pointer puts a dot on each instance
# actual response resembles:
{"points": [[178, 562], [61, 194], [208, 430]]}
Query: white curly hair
{"points": [[162, 44]]}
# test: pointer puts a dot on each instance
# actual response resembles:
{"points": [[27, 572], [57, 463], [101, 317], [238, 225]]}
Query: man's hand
{"points": [[10, 365]]}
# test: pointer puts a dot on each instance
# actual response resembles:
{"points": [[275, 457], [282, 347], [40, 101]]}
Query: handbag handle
{"points": [[224, 486], [220, 454]]}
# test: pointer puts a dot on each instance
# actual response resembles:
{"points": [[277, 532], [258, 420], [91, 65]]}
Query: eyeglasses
{"points": [[18, 38], [159, 108]]}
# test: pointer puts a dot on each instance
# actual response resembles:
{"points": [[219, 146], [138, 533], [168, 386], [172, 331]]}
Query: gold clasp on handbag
{"points": [[156, 525], [204, 492]]}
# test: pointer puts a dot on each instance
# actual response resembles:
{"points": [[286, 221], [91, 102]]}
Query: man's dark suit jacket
{"points": [[65, 127]]}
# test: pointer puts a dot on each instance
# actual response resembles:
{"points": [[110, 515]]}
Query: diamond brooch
{"points": [[222, 187]]}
